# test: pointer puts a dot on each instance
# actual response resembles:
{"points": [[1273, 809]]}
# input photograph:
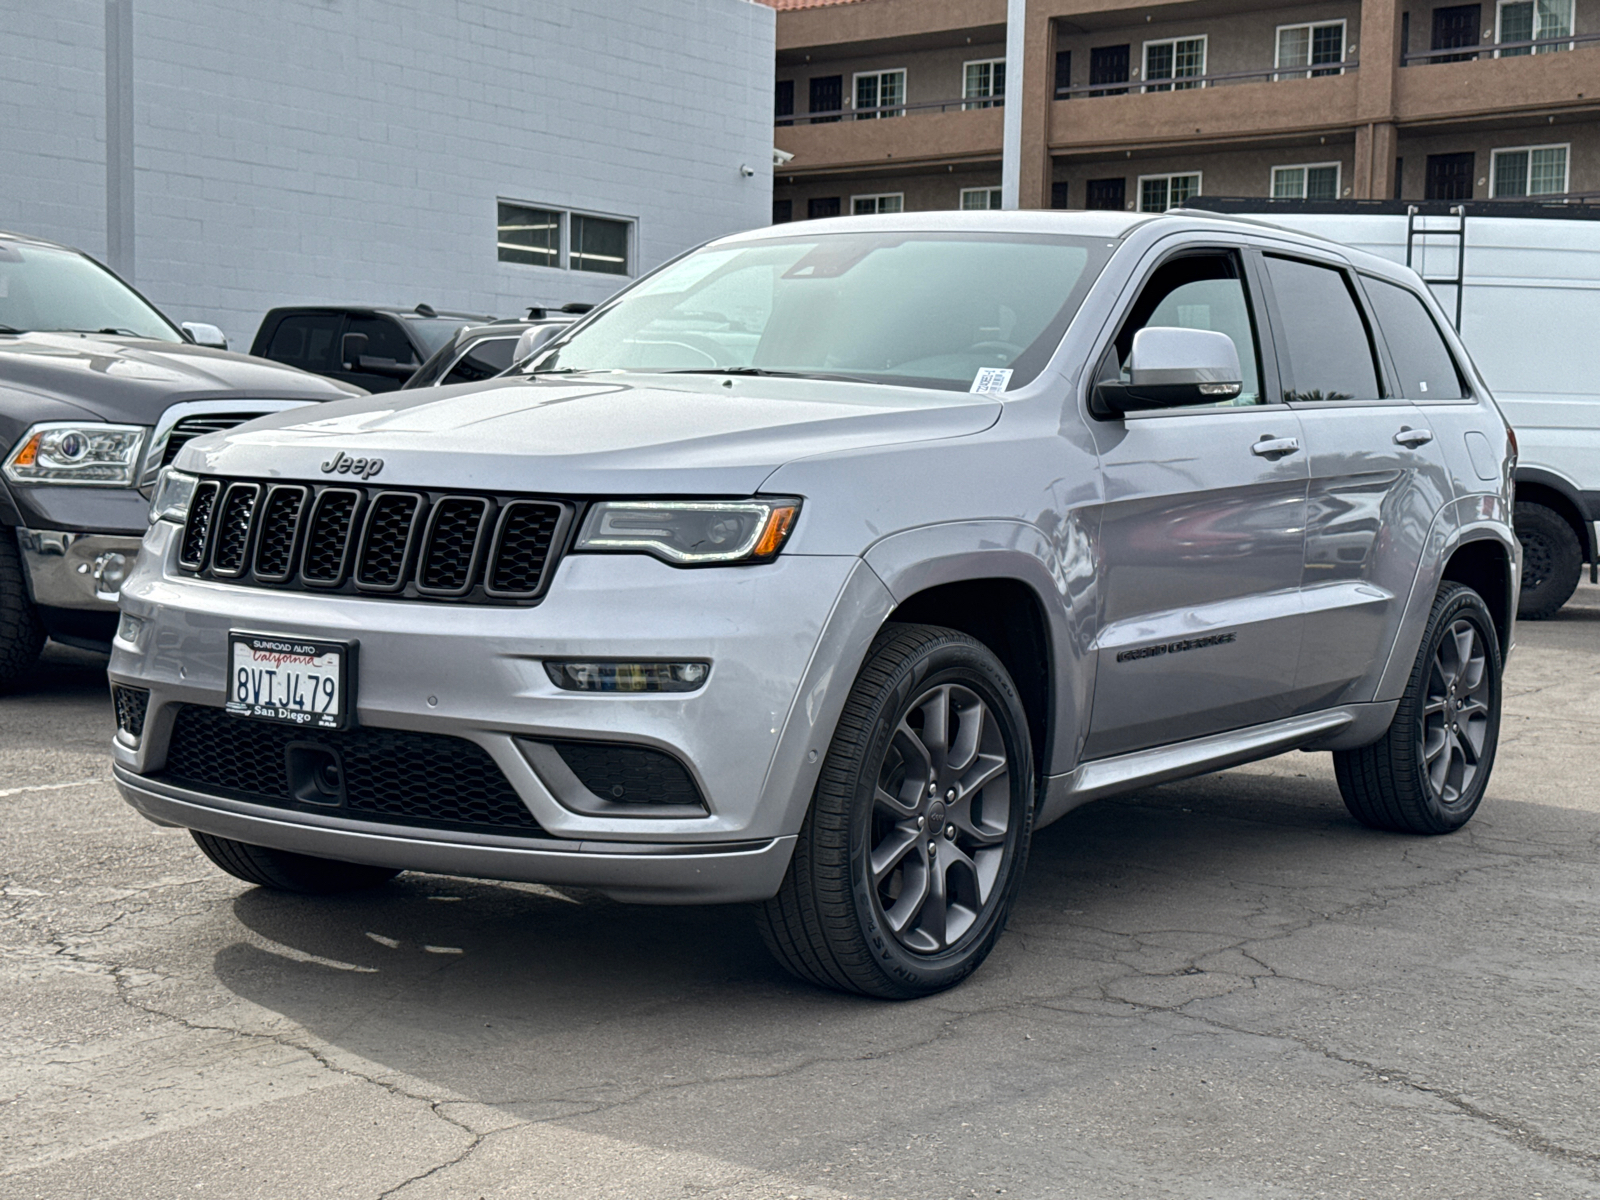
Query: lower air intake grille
{"points": [[629, 774], [390, 776], [130, 704]]}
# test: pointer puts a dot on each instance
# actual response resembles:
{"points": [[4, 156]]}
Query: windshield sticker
{"points": [[992, 380]]}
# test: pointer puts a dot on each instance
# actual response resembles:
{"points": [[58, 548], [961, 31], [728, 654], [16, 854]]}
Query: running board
{"points": [[1145, 768]]}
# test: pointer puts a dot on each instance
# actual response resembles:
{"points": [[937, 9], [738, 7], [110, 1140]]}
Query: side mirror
{"points": [[202, 334], [351, 348], [533, 339], [1170, 368]]}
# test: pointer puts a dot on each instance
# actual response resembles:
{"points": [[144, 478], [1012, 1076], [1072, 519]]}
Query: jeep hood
{"points": [[59, 376], [598, 434]]}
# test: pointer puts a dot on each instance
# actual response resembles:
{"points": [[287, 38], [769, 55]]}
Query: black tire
{"points": [[21, 631], [828, 922], [1552, 560], [1408, 781], [285, 871]]}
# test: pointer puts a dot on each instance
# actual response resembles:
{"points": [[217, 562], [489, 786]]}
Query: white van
{"points": [[1523, 282]]}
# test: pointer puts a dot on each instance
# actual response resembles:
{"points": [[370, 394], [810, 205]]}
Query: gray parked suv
{"points": [[824, 565]]}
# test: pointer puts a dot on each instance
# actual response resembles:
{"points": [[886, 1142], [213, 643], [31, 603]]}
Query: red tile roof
{"points": [[785, 5]]}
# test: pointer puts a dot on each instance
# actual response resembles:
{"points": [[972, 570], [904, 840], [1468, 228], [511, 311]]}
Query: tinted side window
{"points": [[485, 360], [307, 342], [1324, 351], [1199, 291], [384, 339], [1427, 372]]}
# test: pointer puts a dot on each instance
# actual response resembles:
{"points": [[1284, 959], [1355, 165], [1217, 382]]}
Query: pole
{"points": [[1011, 141]]}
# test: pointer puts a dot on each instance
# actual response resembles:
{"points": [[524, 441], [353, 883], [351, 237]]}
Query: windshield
{"points": [[965, 311], [434, 332], [43, 289]]}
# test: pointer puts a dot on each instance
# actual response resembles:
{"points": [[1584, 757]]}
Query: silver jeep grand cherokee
{"points": [[824, 565]]}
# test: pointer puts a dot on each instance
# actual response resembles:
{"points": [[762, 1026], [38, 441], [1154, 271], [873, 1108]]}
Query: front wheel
{"points": [[1552, 560], [1429, 772], [912, 853], [21, 632]]}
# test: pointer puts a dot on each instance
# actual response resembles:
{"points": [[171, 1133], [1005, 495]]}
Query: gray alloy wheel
{"points": [[911, 855], [1428, 773], [941, 812]]}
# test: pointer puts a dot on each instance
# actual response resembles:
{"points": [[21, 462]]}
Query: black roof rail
{"points": [[1584, 207]]}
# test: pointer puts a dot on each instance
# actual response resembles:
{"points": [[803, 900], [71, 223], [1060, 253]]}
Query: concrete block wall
{"points": [[309, 151]]}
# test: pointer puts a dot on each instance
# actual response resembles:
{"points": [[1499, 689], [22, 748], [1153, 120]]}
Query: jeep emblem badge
{"points": [[342, 464]]}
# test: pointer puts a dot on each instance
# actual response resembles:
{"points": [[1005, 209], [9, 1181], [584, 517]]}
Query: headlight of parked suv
{"points": [[170, 501], [77, 452], [691, 532]]}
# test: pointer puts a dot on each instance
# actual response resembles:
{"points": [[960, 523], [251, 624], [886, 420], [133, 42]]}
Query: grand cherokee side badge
{"points": [[342, 464], [1178, 647]]}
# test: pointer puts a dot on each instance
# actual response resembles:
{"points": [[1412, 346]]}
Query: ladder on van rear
{"points": [[1418, 231]]}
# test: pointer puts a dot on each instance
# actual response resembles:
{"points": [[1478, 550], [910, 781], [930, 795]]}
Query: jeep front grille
{"points": [[355, 540]]}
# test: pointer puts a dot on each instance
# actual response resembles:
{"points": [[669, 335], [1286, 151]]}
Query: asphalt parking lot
{"points": [[1220, 988]]}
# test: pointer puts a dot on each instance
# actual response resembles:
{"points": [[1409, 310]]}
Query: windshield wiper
{"points": [[763, 371], [8, 329]]}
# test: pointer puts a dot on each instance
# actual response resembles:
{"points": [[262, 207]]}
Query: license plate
{"points": [[289, 679]]}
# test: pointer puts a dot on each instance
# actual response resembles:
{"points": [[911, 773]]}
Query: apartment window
{"points": [[984, 83], [1528, 171], [1314, 181], [1174, 59], [1310, 46], [1157, 193], [978, 198], [1532, 20], [880, 90], [529, 235], [884, 202]]}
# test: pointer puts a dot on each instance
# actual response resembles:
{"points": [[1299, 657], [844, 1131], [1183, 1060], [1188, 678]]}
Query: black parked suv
{"points": [[374, 348], [479, 352]]}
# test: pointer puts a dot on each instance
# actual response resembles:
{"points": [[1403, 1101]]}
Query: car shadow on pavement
{"points": [[459, 982]]}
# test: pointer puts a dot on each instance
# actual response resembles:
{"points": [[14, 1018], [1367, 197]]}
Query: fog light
{"points": [[628, 676]]}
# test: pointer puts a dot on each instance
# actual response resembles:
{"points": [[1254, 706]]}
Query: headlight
{"points": [[81, 452], [691, 532], [173, 492]]}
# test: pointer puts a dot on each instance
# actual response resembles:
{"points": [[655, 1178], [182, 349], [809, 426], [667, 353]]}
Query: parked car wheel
{"points": [[1552, 560], [21, 632], [1428, 773], [912, 853], [285, 871]]}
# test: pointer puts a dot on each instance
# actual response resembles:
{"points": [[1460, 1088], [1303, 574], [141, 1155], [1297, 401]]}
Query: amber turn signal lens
{"points": [[29, 454], [772, 537]]}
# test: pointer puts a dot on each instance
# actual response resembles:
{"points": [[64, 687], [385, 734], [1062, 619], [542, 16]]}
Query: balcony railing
{"points": [[1497, 49], [1188, 82], [889, 110]]}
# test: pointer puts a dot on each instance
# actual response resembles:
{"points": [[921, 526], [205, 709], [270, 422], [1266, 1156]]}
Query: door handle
{"points": [[1271, 447], [1412, 438]]}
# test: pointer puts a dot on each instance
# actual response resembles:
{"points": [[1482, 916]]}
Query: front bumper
{"points": [[76, 570], [729, 873], [784, 640]]}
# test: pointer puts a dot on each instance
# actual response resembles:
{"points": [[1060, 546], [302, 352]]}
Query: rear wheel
{"points": [[1429, 772], [21, 632], [912, 853], [1552, 560], [285, 871]]}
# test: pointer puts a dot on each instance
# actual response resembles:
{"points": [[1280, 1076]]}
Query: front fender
{"points": [[1059, 569]]}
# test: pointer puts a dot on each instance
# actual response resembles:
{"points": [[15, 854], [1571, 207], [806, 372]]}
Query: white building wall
{"points": [[306, 151]]}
